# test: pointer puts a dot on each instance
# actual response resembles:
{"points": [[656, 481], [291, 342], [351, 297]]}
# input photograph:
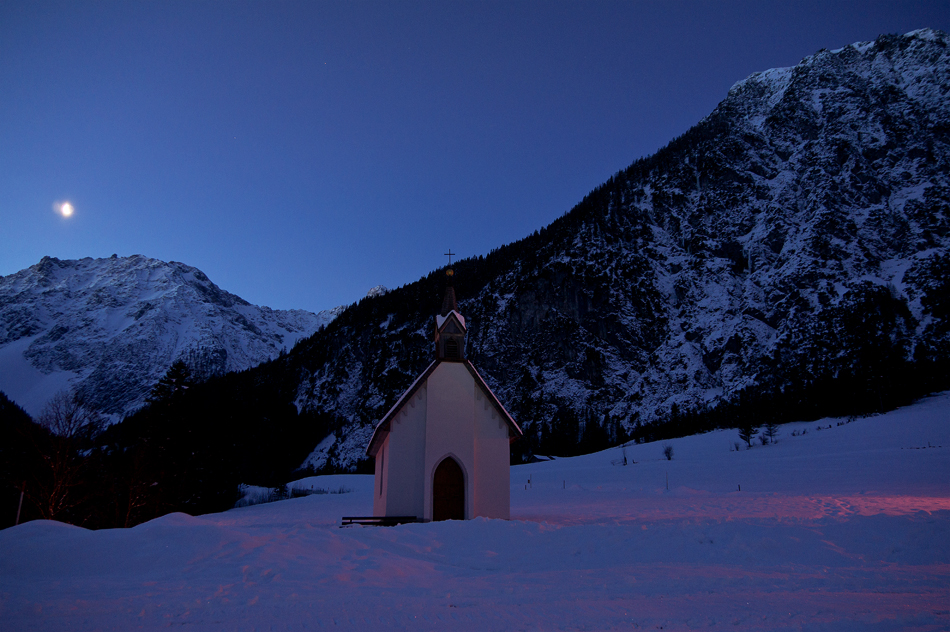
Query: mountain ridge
{"points": [[109, 328], [792, 243]]}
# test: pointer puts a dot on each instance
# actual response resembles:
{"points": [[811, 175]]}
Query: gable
{"points": [[514, 430], [382, 428], [451, 327]]}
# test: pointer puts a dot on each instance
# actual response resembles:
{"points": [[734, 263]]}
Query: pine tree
{"points": [[747, 432], [176, 381]]}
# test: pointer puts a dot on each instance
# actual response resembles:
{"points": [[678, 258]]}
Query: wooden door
{"points": [[448, 491]]}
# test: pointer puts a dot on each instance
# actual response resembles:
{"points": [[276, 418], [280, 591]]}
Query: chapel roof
{"points": [[441, 318], [514, 430]]}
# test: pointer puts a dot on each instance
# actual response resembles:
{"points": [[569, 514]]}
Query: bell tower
{"points": [[449, 325]]}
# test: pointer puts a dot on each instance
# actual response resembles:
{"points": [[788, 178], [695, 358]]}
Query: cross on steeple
{"points": [[450, 254]]}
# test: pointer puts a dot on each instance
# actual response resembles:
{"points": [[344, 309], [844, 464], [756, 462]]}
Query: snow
{"points": [[440, 320], [842, 528], [318, 457], [26, 385], [925, 34], [777, 80]]}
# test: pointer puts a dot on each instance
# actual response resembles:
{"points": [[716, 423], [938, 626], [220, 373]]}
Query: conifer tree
{"points": [[176, 381], [747, 431]]}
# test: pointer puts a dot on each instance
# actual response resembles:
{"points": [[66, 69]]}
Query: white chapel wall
{"points": [[450, 427], [404, 474], [492, 461]]}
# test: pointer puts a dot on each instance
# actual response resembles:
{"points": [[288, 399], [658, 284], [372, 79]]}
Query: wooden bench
{"points": [[379, 521]]}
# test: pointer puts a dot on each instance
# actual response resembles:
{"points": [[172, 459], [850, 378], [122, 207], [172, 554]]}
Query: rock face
{"points": [[110, 328], [795, 241]]}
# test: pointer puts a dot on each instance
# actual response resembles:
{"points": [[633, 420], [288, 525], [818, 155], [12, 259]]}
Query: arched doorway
{"points": [[448, 491]]}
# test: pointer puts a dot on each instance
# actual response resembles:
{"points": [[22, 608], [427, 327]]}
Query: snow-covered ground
{"points": [[844, 528]]}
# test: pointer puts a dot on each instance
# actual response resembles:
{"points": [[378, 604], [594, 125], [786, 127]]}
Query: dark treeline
{"points": [[188, 450]]}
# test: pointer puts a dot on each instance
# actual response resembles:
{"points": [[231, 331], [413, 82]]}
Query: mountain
{"points": [[787, 256], [110, 328]]}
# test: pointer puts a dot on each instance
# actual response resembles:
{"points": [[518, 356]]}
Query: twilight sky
{"points": [[300, 153]]}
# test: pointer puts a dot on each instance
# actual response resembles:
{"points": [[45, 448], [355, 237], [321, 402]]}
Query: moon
{"points": [[64, 208]]}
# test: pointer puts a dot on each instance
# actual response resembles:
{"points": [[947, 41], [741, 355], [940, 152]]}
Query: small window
{"points": [[451, 348]]}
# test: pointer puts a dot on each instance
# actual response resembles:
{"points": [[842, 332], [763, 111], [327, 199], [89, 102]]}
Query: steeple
{"points": [[448, 302], [449, 325]]}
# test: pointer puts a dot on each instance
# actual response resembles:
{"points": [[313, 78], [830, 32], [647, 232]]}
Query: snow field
{"points": [[840, 529]]}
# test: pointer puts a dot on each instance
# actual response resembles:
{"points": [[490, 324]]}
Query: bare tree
{"points": [[67, 416], [69, 424], [668, 452]]}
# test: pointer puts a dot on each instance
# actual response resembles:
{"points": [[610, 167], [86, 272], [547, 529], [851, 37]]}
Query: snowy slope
{"points": [[794, 245], [110, 328], [842, 528]]}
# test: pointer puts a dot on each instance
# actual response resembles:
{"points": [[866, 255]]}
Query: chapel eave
{"points": [[379, 433]]}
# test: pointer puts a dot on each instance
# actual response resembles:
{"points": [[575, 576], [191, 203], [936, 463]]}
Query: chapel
{"points": [[442, 451]]}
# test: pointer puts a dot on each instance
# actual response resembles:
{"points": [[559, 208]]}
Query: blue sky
{"points": [[300, 153]]}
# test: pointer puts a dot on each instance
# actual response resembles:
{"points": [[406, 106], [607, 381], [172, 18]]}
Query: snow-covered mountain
{"points": [[110, 328], [786, 256]]}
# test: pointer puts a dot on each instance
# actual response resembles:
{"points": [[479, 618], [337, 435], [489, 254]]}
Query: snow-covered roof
{"points": [[440, 320]]}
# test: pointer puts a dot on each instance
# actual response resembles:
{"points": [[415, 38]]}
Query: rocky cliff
{"points": [[790, 248]]}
